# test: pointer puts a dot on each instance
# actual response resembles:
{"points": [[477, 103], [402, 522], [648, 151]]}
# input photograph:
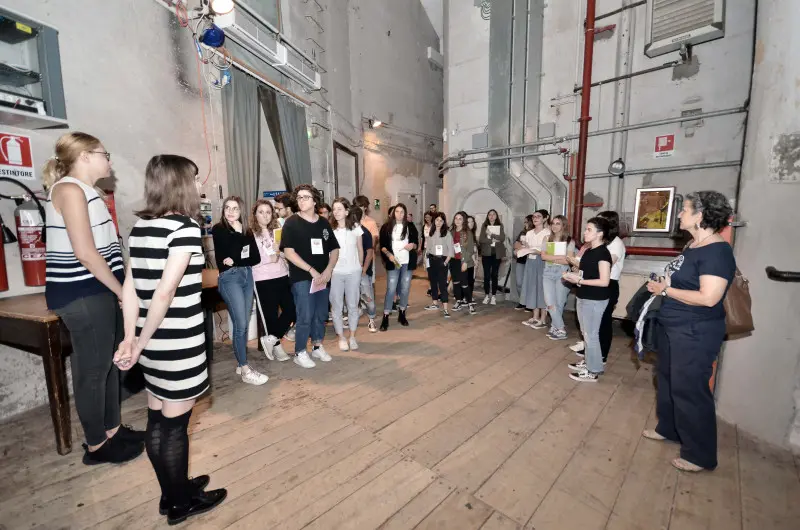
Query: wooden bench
{"points": [[27, 324]]}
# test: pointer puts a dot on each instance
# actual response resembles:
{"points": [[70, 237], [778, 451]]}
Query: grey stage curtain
{"points": [[287, 124], [240, 122]]}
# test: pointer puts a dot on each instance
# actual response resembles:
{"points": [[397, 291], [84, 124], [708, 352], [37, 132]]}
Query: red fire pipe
{"points": [[583, 133], [652, 251]]}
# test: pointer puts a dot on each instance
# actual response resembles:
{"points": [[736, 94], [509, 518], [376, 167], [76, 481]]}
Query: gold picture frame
{"points": [[654, 210]]}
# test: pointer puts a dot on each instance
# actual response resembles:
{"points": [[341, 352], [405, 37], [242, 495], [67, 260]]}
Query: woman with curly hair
{"points": [[691, 330]]}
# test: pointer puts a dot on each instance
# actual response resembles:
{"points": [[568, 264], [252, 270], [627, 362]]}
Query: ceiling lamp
{"points": [[221, 7], [617, 168], [374, 123]]}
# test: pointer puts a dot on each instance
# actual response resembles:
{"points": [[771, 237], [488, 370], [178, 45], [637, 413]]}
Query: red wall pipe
{"points": [[583, 133], [652, 251]]}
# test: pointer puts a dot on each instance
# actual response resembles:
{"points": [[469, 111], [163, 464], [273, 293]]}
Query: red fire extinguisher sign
{"points": [[16, 156]]}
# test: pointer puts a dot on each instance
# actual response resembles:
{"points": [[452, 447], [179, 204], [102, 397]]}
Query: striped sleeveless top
{"points": [[67, 279]]}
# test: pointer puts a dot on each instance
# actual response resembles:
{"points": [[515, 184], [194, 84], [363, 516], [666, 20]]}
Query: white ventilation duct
{"points": [[674, 23]]}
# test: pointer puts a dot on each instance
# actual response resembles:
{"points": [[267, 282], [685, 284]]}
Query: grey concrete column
{"points": [[758, 383]]}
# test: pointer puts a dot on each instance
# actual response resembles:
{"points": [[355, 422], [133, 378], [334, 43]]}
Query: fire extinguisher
{"points": [[32, 249], [112, 208], [3, 271]]}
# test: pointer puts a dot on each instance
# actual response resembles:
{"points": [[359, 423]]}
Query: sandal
{"points": [[651, 434], [685, 465]]}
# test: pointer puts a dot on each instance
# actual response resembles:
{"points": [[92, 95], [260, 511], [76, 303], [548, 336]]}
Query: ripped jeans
{"points": [[398, 281], [555, 293]]}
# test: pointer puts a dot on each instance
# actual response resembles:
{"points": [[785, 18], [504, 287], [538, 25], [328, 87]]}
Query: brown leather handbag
{"points": [[737, 303]]}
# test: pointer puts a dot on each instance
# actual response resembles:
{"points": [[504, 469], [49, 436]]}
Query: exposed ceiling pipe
{"points": [[669, 169], [653, 251], [664, 66], [462, 163], [583, 134], [620, 10], [635, 126]]}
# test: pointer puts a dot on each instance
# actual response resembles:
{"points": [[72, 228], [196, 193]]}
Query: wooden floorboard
{"points": [[466, 423]]}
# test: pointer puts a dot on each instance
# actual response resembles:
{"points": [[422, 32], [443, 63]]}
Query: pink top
{"points": [[269, 268]]}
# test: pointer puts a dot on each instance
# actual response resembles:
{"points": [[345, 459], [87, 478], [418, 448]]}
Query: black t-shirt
{"points": [[366, 238], [590, 265], [715, 259], [312, 241]]}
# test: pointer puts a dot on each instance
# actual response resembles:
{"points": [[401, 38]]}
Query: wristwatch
{"points": [[664, 292]]}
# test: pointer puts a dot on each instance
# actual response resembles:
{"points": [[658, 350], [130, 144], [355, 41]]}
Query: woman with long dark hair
{"points": [[236, 253], [519, 264], [439, 252], [164, 328], [533, 287], [617, 249], [398, 245], [273, 290], [463, 246], [346, 278], [493, 252]]}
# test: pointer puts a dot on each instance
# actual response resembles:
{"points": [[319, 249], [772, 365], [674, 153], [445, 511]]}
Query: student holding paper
{"points": [[533, 286], [312, 250], [519, 265], [493, 250], [555, 250], [236, 253]]}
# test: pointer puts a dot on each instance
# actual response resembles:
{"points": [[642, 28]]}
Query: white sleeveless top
{"points": [[67, 278]]}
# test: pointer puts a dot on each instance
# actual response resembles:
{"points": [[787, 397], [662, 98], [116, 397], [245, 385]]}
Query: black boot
{"points": [[401, 317], [198, 484], [385, 323], [200, 502]]}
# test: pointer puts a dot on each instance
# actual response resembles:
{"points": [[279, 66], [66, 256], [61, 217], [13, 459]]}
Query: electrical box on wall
{"points": [[31, 87], [672, 24]]}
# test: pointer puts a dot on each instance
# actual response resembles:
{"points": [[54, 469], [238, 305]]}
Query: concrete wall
{"points": [[132, 84], [759, 383]]}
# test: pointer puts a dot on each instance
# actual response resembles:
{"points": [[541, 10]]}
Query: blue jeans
{"points": [[555, 294], [236, 289], [590, 313], [368, 294], [401, 276], [312, 312]]}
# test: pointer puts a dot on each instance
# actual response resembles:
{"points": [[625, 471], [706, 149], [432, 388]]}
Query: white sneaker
{"points": [[486, 299], [302, 359], [578, 346], [530, 322], [290, 334], [372, 327], [319, 353], [268, 343], [353, 343], [279, 353], [250, 376], [343, 344], [584, 376], [493, 300], [538, 324]]}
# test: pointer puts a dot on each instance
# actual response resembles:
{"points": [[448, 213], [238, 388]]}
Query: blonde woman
{"points": [[533, 286], [84, 284], [164, 328], [555, 250], [273, 290]]}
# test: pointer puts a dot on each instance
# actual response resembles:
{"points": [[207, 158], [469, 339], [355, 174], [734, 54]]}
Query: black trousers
{"points": [[461, 290], [685, 403], [606, 329], [437, 275], [274, 294], [491, 269]]}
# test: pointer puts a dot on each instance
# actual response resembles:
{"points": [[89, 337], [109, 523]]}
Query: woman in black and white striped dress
{"points": [[164, 328]]}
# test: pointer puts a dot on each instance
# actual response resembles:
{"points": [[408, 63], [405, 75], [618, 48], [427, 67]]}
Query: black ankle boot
{"points": [[401, 317], [385, 323], [114, 451], [201, 502]]}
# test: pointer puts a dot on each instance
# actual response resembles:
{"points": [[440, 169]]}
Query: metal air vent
{"points": [[674, 23]]}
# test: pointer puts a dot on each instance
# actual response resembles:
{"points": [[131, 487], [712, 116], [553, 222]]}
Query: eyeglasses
{"points": [[232, 209], [304, 197], [104, 153]]}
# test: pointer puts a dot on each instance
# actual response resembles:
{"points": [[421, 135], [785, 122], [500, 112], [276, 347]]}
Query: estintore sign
{"points": [[665, 146], [16, 157]]}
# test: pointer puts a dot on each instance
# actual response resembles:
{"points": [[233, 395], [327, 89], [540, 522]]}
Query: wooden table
{"points": [[27, 324]]}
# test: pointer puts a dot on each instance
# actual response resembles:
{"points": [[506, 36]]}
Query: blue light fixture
{"points": [[213, 36]]}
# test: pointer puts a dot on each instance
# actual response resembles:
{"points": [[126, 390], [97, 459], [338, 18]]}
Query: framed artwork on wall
{"points": [[654, 210]]}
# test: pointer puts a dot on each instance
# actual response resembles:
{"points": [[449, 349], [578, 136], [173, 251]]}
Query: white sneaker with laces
{"points": [[584, 376], [353, 343], [431, 307], [320, 354], [268, 343], [529, 322], [486, 299], [372, 327], [290, 334], [342, 344], [578, 346], [279, 353], [250, 376], [493, 300], [538, 324], [302, 359]]}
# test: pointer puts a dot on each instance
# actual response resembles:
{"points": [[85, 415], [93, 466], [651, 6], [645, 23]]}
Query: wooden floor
{"points": [[462, 424]]}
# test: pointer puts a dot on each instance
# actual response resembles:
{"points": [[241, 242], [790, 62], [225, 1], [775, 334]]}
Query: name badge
{"points": [[439, 250], [316, 246], [457, 248], [246, 252], [270, 251], [427, 263]]}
